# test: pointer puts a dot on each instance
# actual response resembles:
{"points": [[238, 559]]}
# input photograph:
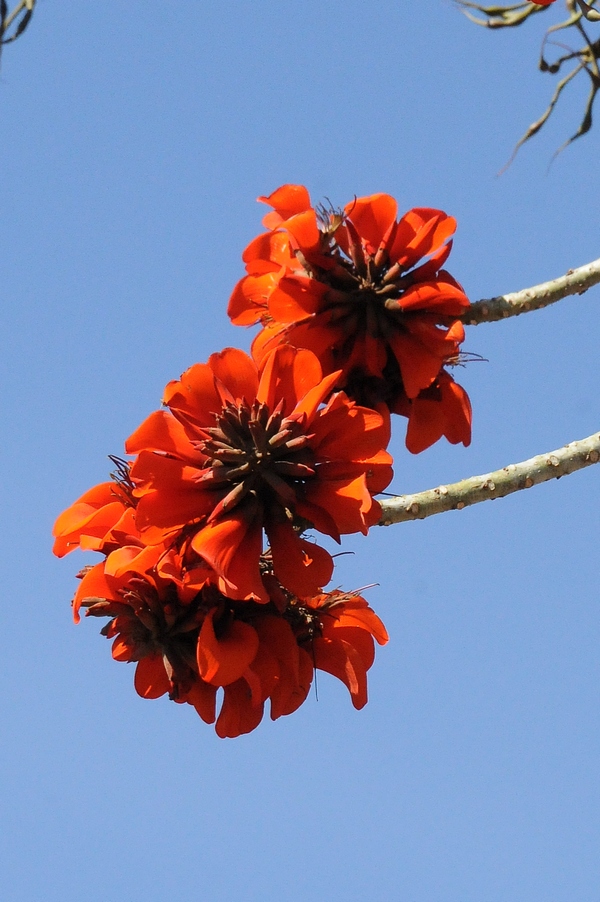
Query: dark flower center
{"points": [[254, 451], [363, 288], [151, 623]]}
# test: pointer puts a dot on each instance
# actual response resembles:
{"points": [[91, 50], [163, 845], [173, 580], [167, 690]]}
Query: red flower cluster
{"points": [[189, 643], [207, 577], [367, 293], [193, 598]]}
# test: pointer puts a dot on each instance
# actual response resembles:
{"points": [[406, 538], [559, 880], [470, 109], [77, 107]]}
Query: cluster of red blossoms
{"points": [[207, 576], [367, 293]]}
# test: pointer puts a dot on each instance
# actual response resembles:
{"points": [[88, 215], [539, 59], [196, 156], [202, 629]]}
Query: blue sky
{"points": [[135, 138]]}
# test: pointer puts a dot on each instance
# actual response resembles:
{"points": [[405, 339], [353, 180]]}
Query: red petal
{"points": [[203, 697], [419, 367], [237, 371], [268, 253], [287, 374], [238, 715], [292, 688], [162, 432], [95, 584], [195, 394], [341, 660], [301, 566], [232, 547], [151, 680], [286, 201], [222, 661], [248, 302], [372, 217], [294, 298], [262, 675], [304, 229]]}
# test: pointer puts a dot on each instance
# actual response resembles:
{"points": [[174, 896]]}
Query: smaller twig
{"points": [[500, 16], [498, 484], [591, 14], [491, 310], [25, 6], [536, 126]]}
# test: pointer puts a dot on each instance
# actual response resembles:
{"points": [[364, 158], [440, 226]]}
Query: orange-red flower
{"points": [[365, 291], [97, 520], [242, 449], [190, 644]]}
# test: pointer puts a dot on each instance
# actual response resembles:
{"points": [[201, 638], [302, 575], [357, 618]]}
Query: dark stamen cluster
{"points": [[121, 477], [252, 450], [364, 288], [150, 624]]}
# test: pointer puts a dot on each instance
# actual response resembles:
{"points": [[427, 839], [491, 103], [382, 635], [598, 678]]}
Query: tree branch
{"points": [[498, 484], [576, 281]]}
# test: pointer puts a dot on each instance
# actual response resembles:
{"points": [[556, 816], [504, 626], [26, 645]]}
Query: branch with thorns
{"points": [[498, 484], [575, 281], [586, 58]]}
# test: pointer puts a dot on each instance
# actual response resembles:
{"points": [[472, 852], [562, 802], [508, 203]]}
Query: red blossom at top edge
{"points": [[368, 294]]}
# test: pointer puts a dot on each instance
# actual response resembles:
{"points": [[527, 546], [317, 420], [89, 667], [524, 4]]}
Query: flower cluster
{"points": [[239, 453], [209, 580], [189, 643], [368, 294]]}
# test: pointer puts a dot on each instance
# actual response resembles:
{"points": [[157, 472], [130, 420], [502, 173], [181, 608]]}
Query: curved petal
{"points": [[151, 680], [360, 639], [238, 715], [268, 253], [287, 374], [162, 432], [419, 367], [195, 395], [292, 688], [237, 371], [223, 660], [294, 298], [341, 660], [348, 501], [248, 301], [346, 431], [95, 584], [203, 697], [262, 675], [286, 201], [232, 547], [86, 526], [301, 566], [439, 296], [304, 229], [357, 613], [372, 217]]}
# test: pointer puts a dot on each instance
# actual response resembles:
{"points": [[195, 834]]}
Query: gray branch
{"points": [[498, 484], [576, 281]]}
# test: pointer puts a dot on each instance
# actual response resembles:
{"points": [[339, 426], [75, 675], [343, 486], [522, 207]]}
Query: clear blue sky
{"points": [[135, 138]]}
